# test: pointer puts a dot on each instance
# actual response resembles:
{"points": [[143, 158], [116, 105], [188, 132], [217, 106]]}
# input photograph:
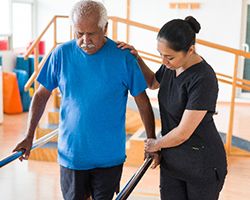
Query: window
{"points": [[5, 17], [22, 24], [16, 19]]}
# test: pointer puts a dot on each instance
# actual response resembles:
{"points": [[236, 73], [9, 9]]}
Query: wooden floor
{"points": [[36, 180]]}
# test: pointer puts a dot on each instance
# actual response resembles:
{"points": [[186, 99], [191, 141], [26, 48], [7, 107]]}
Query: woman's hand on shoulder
{"points": [[123, 45]]}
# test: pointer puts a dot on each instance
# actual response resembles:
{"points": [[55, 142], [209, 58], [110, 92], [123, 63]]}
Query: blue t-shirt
{"points": [[94, 91]]}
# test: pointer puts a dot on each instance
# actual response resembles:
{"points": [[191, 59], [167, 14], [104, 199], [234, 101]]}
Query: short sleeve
{"points": [[135, 79], [159, 74], [202, 93], [49, 73]]}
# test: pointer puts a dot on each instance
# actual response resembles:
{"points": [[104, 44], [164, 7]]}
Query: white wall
{"points": [[8, 60], [220, 22]]}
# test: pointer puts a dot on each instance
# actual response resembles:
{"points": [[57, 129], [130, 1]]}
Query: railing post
{"points": [[54, 93], [36, 62], [71, 32], [55, 31], [232, 107], [128, 18], [114, 30]]}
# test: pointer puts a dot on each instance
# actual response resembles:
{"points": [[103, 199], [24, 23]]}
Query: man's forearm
{"points": [[36, 110], [148, 121], [146, 113]]}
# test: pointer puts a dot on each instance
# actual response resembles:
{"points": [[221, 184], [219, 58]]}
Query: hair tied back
{"points": [[195, 25]]}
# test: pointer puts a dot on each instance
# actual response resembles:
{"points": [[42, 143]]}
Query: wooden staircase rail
{"points": [[36, 72], [199, 41], [34, 48], [38, 39]]}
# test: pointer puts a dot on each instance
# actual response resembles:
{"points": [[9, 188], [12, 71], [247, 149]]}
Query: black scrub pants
{"points": [[176, 189]]}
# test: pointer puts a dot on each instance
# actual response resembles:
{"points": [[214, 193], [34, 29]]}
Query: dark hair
{"points": [[180, 34]]}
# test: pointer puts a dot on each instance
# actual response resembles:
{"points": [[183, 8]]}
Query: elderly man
{"points": [[94, 78]]}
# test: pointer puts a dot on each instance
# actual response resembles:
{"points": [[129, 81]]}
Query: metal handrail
{"points": [[123, 195], [38, 143], [130, 185]]}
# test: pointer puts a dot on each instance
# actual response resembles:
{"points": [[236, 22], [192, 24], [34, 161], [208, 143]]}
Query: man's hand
{"points": [[24, 146], [156, 156], [37, 107], [156, 159]]}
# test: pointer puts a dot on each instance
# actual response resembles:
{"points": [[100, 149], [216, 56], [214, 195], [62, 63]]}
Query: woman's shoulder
{"points": [[204, 70]]}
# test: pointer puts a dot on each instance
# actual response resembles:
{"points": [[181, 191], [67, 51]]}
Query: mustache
{"points": [[89, 46]]}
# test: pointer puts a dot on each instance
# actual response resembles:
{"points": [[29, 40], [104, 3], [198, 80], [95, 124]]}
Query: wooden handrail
{"points": [[34, 48], [230, 82], [133, 23], [149, 54], [35, 73], [38, 39], [223, 48], [199, 41], [238, 79], [150, 59], [146, 55]]}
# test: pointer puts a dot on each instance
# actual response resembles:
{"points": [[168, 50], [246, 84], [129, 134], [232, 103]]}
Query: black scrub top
{"points": [[202, 156]]}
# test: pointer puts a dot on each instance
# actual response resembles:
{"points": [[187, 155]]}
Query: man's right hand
{"points": [[24, 146]]}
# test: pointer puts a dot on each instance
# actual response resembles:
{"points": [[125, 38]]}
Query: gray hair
{"points": [[85, 8]]}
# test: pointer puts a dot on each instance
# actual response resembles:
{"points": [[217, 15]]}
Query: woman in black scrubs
{"points": [[193, 164]]}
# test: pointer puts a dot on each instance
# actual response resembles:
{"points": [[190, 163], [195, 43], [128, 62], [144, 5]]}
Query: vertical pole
{"points": [[232, 108], [54, 93], [128, 18], [36, 85], [71, 32], [114, 30], [55, 30], [36, 62]]}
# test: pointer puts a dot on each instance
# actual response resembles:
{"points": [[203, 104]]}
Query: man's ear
{"points": [[106, 28]]}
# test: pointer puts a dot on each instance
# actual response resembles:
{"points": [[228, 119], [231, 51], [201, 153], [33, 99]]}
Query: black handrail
{"points": [[38, 143], [130, 185]]}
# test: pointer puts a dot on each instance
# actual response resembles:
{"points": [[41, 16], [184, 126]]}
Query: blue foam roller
{"points": [[22, 78], [22, 64], [31, 64], [26, 99]]}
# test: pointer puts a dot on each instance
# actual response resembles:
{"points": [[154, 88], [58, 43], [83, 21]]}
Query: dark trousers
{"points": [[100, 183], [175, 189]]}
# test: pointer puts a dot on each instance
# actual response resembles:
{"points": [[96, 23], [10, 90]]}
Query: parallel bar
{"points": [[40, 142], [130, 185]]}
